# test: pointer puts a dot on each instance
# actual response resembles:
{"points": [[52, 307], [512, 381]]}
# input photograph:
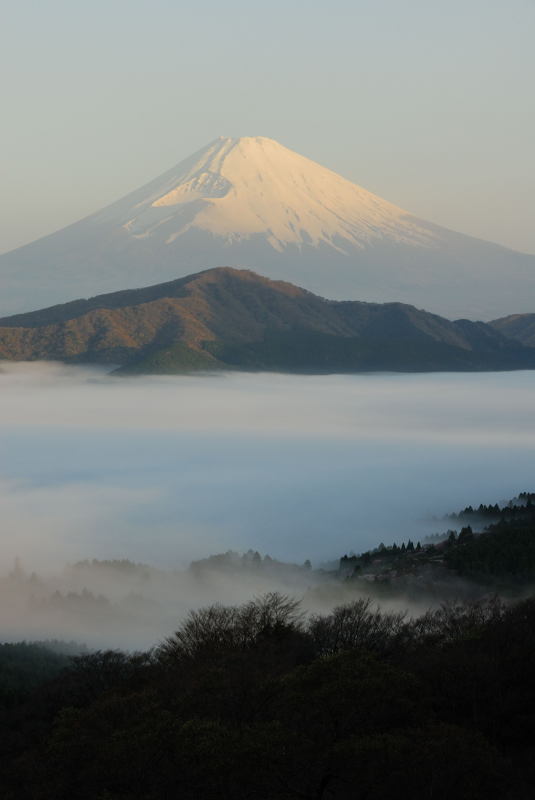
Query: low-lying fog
{"points": [[164, 470]]}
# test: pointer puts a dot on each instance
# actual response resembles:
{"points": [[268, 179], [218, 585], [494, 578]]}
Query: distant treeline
{"points": [[250, 561], [504, 550], [257, 702], [513, 509]]}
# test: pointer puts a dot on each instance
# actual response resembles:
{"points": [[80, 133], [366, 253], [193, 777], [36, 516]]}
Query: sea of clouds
{"points": [[163, 470], [167, 469]]}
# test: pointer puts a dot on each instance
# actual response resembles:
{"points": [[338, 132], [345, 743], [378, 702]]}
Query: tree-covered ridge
{"points": [[227, 318], [251, 561], [520, 327], [503, 549], [25, 665], [520, 507], [256, 701]]}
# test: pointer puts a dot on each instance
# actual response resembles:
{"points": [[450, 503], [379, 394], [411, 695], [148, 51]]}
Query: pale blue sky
{"points": [[428, 103]]}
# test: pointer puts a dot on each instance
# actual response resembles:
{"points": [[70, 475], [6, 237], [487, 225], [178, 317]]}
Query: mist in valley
{"points": [[162, 471]]}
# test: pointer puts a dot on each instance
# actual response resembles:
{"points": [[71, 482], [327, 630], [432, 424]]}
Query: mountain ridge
{"points": [[520, 327], [226, 318]]}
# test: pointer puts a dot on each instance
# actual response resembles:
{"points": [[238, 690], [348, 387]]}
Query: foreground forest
{"points": [[262, 701], [255, 702]]}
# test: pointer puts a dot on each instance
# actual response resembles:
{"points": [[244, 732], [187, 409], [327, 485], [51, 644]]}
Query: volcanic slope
{"points": [[251, 202], [233, 319]]}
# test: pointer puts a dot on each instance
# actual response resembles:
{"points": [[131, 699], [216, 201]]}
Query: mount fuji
{"points": [[252, 203]]}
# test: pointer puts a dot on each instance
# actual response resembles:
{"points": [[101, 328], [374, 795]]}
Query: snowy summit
{"points": [[237, 188], [251, 202]]}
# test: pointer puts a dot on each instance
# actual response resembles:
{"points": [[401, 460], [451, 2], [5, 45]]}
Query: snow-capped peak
{"points": [[253, 203], [239, 187]]}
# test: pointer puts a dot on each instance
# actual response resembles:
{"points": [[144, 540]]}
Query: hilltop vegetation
{"points": [[234, 319], [256, 702], [494, 549], [26, 665], [520, 327]]}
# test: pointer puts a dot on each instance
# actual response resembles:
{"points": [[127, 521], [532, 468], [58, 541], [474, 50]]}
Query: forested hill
{"points": [[492, 545], [256, 702], [520, 327], [227, 318]]}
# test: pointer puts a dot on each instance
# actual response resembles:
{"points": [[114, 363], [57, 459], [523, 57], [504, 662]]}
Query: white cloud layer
{"points": [[166, 470], [173, 468]]}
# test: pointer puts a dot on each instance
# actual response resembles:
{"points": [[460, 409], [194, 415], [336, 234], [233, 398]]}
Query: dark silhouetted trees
{"points": [[256, 702]]}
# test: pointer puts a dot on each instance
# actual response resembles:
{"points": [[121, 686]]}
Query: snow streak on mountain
{"points": [[238, 188], [251, 202]]}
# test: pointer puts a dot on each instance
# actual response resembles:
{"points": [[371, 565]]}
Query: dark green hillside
{"points": [[494, 547], [235, 319], [23, 666]]}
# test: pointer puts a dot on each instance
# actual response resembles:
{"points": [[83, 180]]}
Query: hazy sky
{"points": [[430, 104]]}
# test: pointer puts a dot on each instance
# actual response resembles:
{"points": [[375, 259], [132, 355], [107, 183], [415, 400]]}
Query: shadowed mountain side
{"points": [[520, 327], [228, 318]]}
